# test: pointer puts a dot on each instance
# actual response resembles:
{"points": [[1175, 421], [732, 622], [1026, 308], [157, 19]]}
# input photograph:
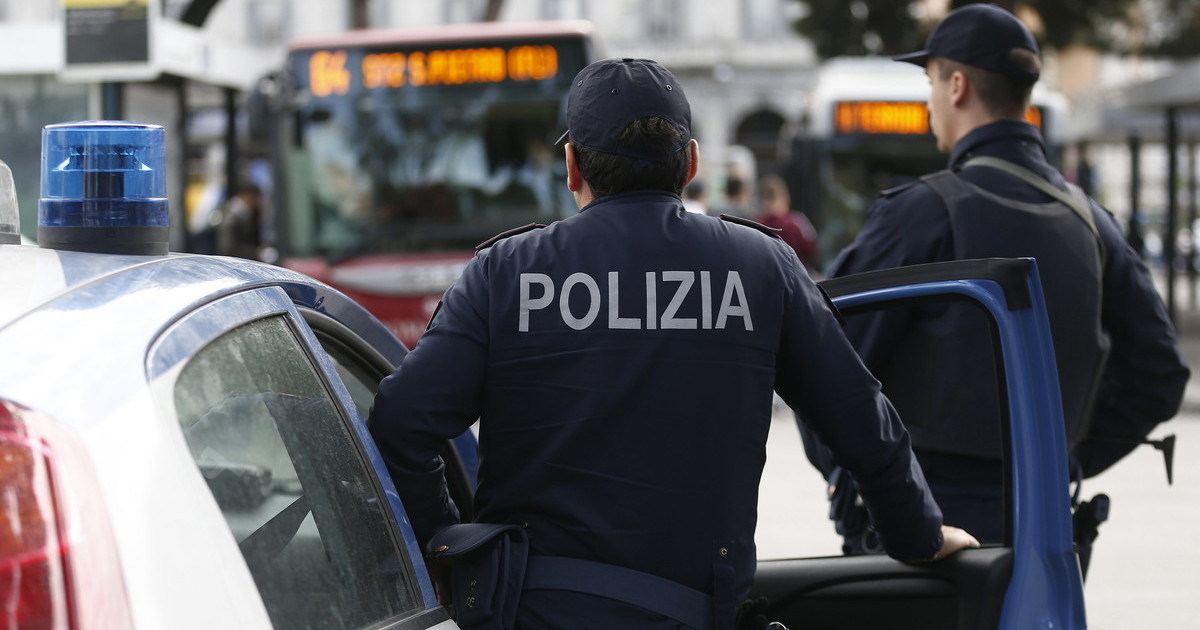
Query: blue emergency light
{"points": [[104, 188]]}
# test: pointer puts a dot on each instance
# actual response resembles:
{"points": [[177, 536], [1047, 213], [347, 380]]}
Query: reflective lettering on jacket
{"points": [[664, 296]]}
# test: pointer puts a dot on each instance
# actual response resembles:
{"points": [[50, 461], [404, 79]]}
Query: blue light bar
{"points": [[104, 188]]}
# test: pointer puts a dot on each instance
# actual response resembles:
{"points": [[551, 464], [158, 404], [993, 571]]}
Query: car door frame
{"points": [[1035, 583], [205, 323]]}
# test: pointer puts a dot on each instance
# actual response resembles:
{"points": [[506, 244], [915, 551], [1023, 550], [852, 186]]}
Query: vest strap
{"points": [[1076, 200]]}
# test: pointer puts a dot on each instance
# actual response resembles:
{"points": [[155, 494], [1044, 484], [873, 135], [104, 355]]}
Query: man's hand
{"points": [[954, 540]]}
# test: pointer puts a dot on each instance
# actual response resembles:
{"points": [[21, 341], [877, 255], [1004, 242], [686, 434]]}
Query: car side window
{"points": [[291, 482]]}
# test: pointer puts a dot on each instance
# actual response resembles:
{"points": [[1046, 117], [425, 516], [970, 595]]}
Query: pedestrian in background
{"points": [[695, 198], [1119, 365], [738, 200], [620, 363], [239, 229], [794, 227]]}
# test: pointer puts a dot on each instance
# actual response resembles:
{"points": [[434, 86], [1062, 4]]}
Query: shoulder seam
{"points": [[507, 233], [769, 231]]}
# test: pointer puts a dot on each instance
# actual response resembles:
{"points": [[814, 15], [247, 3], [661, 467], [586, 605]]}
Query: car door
{"points": [[275, 434], [362, 360], [1033, 580]]}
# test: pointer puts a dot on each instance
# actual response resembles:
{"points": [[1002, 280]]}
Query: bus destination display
{"points": [[893, 117], [334, 72]]}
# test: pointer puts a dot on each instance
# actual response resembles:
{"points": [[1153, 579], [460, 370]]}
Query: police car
{"points": [[182, 439]]}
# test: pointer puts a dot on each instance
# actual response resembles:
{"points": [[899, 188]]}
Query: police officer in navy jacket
{"points": [[1120, 369], [621, 364]]}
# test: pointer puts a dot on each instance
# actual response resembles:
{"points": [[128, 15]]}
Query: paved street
{"points": [[1144, 568]]}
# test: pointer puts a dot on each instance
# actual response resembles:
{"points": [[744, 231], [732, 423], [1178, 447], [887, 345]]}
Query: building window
{"points": [[457, 11], [266, 22], [171, 8], [765, 19], [564, 9], [662, 18]]}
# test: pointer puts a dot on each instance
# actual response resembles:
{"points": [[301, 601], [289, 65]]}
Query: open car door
{"points": [[1034, 580]]}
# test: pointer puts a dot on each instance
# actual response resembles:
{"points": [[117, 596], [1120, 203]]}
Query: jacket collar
{"points": [[1013, 140], [635, 196]]}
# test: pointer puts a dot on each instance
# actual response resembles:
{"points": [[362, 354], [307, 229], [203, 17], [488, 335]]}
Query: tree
{"points": [[1168, 28], [837, 27]]}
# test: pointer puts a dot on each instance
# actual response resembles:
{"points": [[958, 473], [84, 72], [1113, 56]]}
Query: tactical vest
{"points": [[942, 375]]}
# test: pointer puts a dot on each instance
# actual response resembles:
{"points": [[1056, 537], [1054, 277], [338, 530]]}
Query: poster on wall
{"points": [[107, 31]]}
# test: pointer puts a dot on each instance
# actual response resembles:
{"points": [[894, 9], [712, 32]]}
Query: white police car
{"points": [[181, 437]]}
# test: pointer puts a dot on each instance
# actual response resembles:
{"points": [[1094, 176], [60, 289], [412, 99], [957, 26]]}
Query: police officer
{"points": [[1119, 365], [621, 364]]}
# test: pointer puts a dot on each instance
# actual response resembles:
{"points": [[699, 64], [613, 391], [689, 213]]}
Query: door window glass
{"points": [[291, 482]]}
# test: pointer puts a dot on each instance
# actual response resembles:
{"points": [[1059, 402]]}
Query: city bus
{"points": [[395, 152], [867, 130]]}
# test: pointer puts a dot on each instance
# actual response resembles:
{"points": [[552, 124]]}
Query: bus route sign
{"points": [[335, 71]]}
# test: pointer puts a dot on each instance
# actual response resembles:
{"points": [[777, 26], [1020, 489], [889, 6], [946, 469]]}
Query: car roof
{"points": [[64, 312], [32, 277]]}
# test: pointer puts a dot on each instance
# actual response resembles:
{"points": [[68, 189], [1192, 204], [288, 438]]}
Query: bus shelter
{"points": [[1162, 112]]}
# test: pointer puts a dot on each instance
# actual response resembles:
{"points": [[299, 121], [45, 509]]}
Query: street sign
{"points": [[107, 31]]}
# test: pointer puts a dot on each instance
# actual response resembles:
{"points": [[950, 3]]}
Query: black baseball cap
{"points": [[608, 95], [979, 35]]}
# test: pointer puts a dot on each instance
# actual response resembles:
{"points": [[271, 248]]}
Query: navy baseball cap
{"points": [[608, 95], [979, 35]]}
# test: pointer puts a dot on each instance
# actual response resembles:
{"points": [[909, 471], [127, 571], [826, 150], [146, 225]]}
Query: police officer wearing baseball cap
{"points": [[621, 363], [1119, 366]]}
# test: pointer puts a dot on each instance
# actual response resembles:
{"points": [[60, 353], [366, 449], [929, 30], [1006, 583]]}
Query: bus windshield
{"points": [[434, 146]]}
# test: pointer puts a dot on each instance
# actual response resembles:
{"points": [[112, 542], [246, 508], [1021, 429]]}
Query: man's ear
{"points": [[960, 86], [694, 149], [574, 177]]}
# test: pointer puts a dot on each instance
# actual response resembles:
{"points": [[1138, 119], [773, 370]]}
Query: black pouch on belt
{"points": [[486, 564]]}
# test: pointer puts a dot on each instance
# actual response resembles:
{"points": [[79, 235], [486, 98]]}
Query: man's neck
{"points": [[584, 195]]}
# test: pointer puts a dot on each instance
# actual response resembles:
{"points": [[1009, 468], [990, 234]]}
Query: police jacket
{"points": [[621, 364], [1143, 380]]}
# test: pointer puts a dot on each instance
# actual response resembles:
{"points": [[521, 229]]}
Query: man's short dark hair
{"points": [[1003, 96], [609, 174]]}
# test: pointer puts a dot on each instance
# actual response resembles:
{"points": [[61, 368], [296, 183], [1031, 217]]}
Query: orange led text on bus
{"points": [[881, 117], [328, 73], [893, 117]]}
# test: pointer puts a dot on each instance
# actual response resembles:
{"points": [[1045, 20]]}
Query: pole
{"points": [[231, 143], [360, 14], [1172, 207], [1191, 227], [1135, 192], [178, 207], [112, 101]]}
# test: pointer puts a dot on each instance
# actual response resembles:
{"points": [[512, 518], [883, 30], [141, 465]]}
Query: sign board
{"points": [[334, 71], [107, 31], [895, 117]]}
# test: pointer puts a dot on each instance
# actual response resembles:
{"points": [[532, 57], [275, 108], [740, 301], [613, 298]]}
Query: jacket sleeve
{"points": [[1144, 380], [821, 376], [434, 396]]}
